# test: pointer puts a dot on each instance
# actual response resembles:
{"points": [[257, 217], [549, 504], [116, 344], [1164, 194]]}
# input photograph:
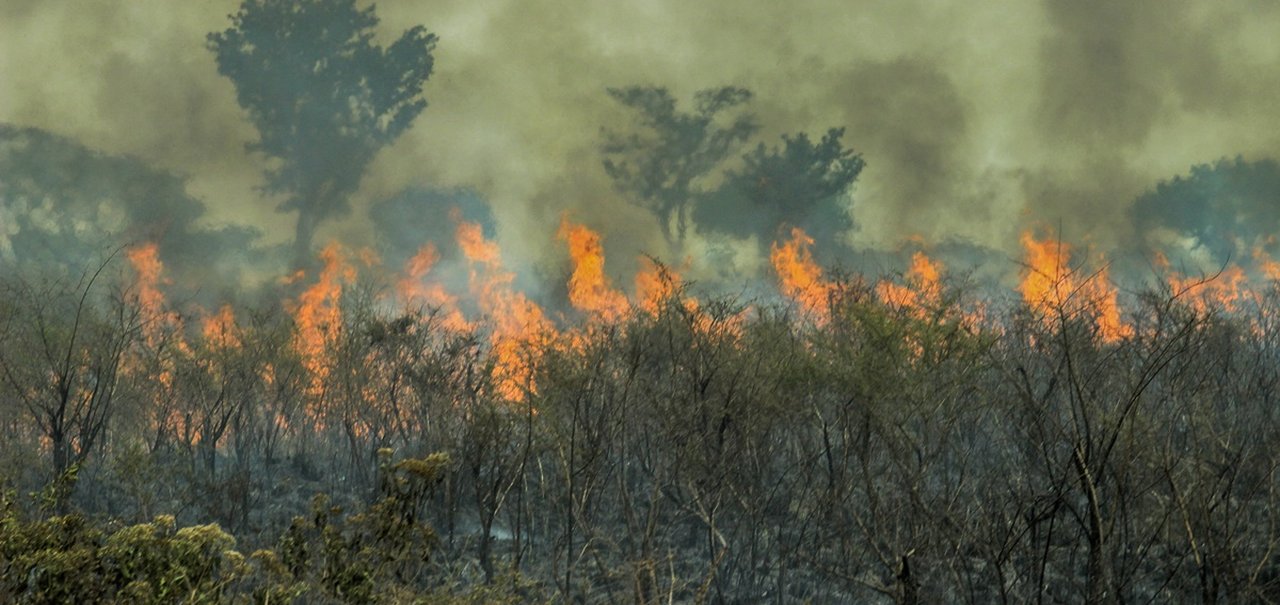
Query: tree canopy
{"points": [[323, 96], [679, 166], [658, 165], [799, 184]]}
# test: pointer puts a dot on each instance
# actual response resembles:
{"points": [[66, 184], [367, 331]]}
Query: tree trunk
{"points": [[909, 585], [1099, 576]]}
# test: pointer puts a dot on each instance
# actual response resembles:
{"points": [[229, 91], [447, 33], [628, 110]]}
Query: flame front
{"points": [[1226, 290], [1045, 281], [161, 339], [1050, 287], [799, 277], [517, 323], [220, 329], [923, 288], [589, 288], [655, 284], [414, 288], [148, 268], [317, 316]]}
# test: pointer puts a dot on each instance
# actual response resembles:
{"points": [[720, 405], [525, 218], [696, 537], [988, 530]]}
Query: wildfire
{"points": [[655, 284], [799, 277], [414, 289], [148, 268], [317, 315], [1227, 289], [155, 360], [146, 263], [922, 290], [518, 331], [516, 321], [220, 329], [1049, 285], [1269, 267], [589, 288]]}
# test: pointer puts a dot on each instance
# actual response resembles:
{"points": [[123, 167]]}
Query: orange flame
{"points": [[154, 361], [146, 263], [1046, 280], [589, 288], [1049, 285], [414, 290], [1226, 290], [799, 276], [655, 284], [922, 289], [318, 316], [220, 329], [517, 321], [1269, 267]]}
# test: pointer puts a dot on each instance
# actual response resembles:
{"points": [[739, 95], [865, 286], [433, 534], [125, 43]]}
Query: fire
{"points": [[516, 321], [922, 290], [1110, 324], [799, 277], [1269, 267], [414, 289], [317, 315], [475, 247], [146, 264], [655, 284], [589, 288], [1227, 289], [1049, 285], [149, 269], [220, 329], [1047, 280], [154, 360]]}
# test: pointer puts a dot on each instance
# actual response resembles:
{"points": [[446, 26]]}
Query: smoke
{"points": [[1131, 93], [912, 126], [975, 120], [63, 207]]}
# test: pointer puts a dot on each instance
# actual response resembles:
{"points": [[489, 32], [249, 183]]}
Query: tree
{"points": [[800, 183], [658, 166], [323, 97], [1214, 204], [62, 358]]}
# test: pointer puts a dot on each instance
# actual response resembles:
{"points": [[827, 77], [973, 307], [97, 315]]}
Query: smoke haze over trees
{"points": [[65, 205], [655, 302]]}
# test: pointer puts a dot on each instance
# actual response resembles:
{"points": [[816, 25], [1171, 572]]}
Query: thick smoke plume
{"points": [[974, 121]]}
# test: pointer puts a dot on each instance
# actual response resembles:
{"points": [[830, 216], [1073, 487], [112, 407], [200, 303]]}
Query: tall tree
{"points": [[658, 165], [323, 97], [801, 183]]}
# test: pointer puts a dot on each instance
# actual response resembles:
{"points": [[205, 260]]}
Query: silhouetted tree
{"points": [[323, 97], [1216, 206], [657, 166], [800, 183]]}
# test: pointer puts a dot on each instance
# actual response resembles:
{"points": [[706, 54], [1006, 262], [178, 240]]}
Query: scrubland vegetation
{"points": [[212, 415], [932, 447]]}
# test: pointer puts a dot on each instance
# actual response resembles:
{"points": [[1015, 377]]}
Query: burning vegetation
{"points": [[458, 417], [764, 423]]}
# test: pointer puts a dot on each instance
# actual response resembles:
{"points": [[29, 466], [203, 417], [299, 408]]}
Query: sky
{"points": [[976, 120]]}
